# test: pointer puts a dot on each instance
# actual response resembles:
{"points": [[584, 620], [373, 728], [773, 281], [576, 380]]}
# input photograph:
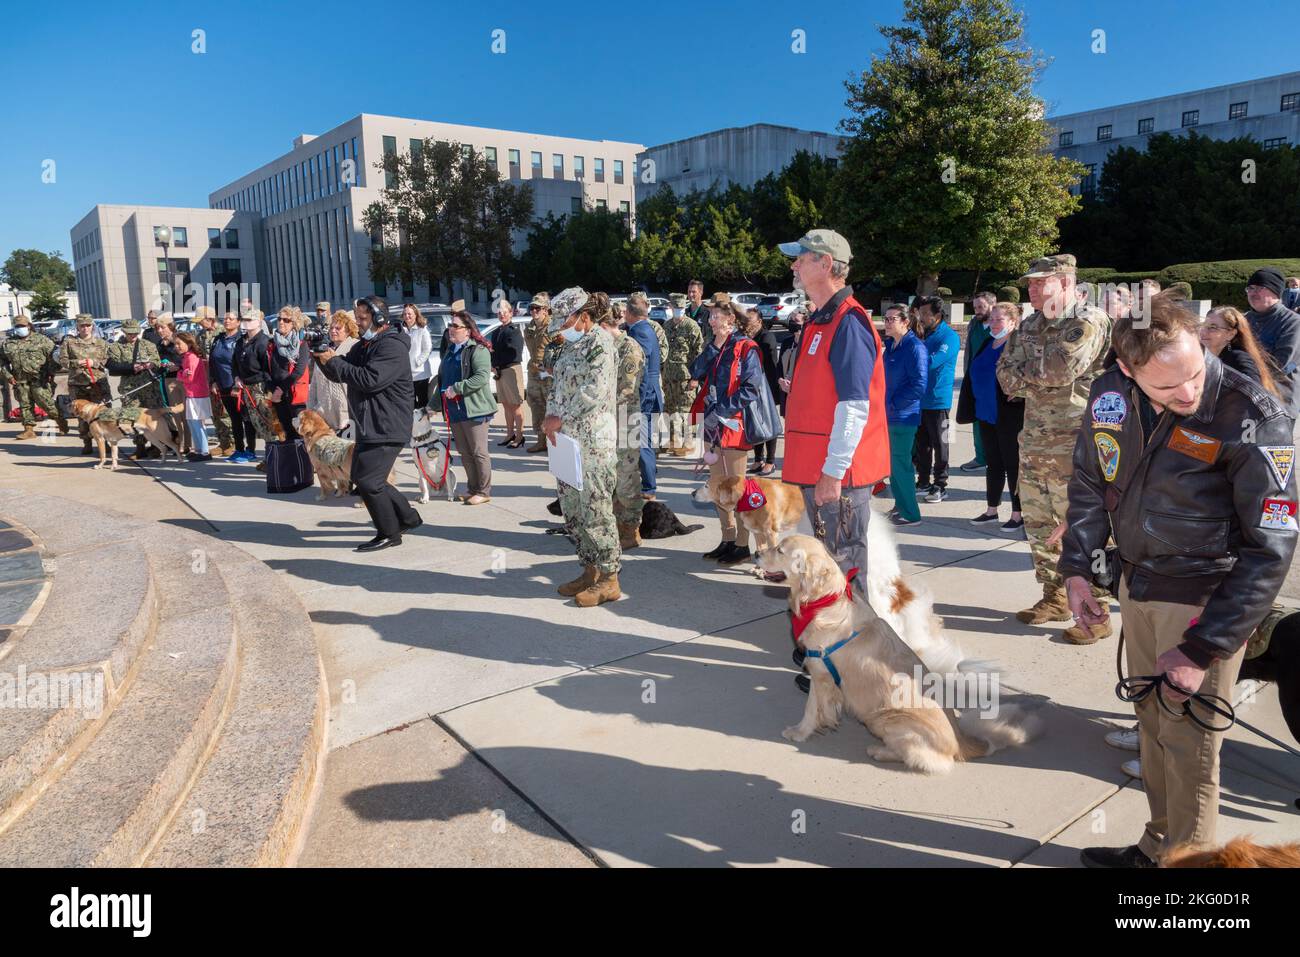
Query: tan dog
{"points": [[152, 424], [881, 680], [330, 455], [1239, 852], [780, 513]]}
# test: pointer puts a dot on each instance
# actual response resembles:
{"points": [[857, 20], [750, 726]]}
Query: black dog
{"points": [[1281, 663], [658, 521]]}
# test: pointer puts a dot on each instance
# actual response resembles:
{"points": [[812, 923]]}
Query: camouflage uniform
{"points": [[29, 362], [628, 502], [86, 362], [685, 343], [1051, 364], [123, 355], [538, 389], [583, 396], [220, 417]]}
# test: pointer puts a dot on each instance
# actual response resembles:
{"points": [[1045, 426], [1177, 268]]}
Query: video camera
{"points": [[317, 338]]}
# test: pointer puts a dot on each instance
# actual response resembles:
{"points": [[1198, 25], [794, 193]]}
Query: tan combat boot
{"points": [[1053, 606], [1078, 635], [605, 589], [538, 446], [27, 433], [629, 534], [581, 583]]}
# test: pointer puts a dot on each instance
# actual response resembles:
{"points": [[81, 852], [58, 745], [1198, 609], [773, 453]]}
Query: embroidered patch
{"points": [[1109, 411], [1194, 444], [1107, 454], [1075, 334], [812, 346], [1279, 513], [1281, 459]]}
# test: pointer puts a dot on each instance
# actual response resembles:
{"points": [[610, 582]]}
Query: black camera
{"points": [[317, 338]]}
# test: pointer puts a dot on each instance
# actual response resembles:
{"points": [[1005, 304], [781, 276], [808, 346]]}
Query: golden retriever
{"points": [[780, 513], [153, 425], [882, 681], [1239, 852], [330, 455]]}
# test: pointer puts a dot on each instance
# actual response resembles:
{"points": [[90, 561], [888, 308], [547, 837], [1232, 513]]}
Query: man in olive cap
{"points": [[685, 343], [322, 315], [27, 362], [582, 407], [136, 360], [1050, 361], [538, 389], [85, 358]]}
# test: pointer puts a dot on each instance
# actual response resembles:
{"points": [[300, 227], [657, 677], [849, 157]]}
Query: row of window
{"points": [[311, 258], [180, 236], [330, 171], [86, 245], [231, 237], [624, 206], [1236, 111], [90, 289], [513, 158]]}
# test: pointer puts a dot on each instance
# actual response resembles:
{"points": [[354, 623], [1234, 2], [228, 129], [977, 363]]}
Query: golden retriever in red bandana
{"points": [[767, 507]]}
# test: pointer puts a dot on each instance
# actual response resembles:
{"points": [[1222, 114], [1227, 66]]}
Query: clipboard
{"points": [[564, 459]]}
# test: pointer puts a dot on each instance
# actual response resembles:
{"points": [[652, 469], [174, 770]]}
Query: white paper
{"points": [[565, 460]]}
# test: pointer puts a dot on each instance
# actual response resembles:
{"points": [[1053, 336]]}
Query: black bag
{"points": [[288, 467], [761, 418]]}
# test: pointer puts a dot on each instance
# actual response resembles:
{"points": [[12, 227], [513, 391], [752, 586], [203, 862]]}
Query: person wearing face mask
{"points": [[136, 360], [27, 360], [996, 418], [1204, 519], [685, 343], [582, 407], [252, 366], [381, 394]]}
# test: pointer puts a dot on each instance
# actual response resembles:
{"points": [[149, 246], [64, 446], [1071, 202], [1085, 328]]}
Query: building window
{"points": [[180, 236], [579, 167], [536, 159], [226, 271], [599, 169], [1191, 118], [1290, 101], [390, 149], [625, 209], [1147, 125], [1275, 142], [1237, 111], [214, 239], [232, 238], [513, 158], [466, 151], [575, 204], [490, 156], [1067, 138], [618, 171], [416, 147], [557, 165], [601, 204], [1103, 132], [1088, 185]]}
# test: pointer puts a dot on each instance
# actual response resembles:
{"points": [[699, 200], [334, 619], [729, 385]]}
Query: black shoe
{"points": [[87, 450], [378, 543], [1115, 857], [719, 551], [506, 441], [798, 656], [554, 508], [195, 457], [803, 683], [409, 526], [734, 555], [974, 465]]}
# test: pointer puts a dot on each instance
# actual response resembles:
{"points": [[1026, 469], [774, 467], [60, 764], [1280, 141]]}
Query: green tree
{"points": [[47, 302], [787, 204], [946, 164], [445, 214], [25, 268]]}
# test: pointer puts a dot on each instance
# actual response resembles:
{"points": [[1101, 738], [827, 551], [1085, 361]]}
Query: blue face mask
{"points": [[571, 334], [22, 332], [1006, 331], [368, 334]]}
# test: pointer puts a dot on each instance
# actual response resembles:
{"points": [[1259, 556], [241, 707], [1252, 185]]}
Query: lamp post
{"points": [[163, 237]]}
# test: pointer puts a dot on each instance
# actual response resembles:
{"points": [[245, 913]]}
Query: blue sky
{"points": [[115, 96]]}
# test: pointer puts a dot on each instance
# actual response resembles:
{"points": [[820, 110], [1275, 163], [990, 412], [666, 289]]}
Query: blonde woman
{"points": [[330, 398]]}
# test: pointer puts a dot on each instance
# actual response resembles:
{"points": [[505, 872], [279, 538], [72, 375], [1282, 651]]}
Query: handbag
{"points": [[761, 418]]}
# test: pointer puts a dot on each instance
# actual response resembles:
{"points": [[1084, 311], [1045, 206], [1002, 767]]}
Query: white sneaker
{"points": [[1124, 740], [1244, 689], [1133, 768]]}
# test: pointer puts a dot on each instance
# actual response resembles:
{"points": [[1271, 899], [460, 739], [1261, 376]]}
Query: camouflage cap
{"points": [[565, 305], [640, 302], [1062, 265], [205, 312], [22, 319], [130, 326], [322, 305], [720, 299], [85, 319], [542, 299], [678, 299], [824, 242]]}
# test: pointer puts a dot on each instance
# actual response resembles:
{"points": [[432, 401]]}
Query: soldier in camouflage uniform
{"points": [[85, 358], [582, 406], [628, 502], [1050, 362], [136, 360], [209, 333], [538, 389], [27, 362], [685, 343]]}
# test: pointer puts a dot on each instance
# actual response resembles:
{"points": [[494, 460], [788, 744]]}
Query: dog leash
{"points": [[446, 459]]}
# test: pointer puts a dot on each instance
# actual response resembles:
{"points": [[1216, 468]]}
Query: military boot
{"points": [[579, 584], [1053, 606], [538, 446], [63, 423], [605, 589], [1080, 635], [27, 433], [629, 534], [85, 446]]}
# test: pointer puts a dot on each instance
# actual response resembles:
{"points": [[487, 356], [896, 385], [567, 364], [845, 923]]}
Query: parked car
{"points": [[56, 329], [110, 329], [747, 299], [777, 308], [487, 325]]}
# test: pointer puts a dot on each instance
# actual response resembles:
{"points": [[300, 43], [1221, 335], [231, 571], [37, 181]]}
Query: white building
{"points": [[15, 301]]}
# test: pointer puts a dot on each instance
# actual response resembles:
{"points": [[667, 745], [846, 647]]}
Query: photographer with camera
{"points": [[377, 372]]}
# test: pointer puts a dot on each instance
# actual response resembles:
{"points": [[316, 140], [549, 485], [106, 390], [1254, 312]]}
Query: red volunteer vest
{"points": [[810, 410]]}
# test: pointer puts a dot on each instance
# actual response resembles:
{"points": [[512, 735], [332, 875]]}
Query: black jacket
{"points": [[381, 394], [281, 376], [251, 365], [507, 346], [1198, 512]]}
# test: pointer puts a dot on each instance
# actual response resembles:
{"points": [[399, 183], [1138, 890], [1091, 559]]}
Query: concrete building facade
{"points": [[739, 154], [1267, 110], [122, 267], [15, 301]]}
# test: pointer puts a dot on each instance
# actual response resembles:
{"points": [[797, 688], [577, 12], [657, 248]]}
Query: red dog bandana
{"points": [[804, 615], [751, 498]]}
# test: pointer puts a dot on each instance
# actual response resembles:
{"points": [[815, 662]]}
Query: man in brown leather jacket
{"points": [[1190, 466]]}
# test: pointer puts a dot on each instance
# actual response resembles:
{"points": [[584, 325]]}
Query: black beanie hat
{"points": [[1270, 279]]}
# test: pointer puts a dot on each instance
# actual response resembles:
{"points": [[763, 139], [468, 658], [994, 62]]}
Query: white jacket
{"points": [[328, 398], [421, 349]]}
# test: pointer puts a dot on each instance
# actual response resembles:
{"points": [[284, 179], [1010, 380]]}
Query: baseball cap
{"points": [[565, 305], [824, 242]]}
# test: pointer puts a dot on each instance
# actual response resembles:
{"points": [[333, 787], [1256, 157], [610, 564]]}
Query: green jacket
{"points": [[475, 384]]}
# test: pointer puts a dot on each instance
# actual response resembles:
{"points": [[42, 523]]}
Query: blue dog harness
{"points": [[825, 655]]}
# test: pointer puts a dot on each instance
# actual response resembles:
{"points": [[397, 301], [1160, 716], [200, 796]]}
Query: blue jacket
{"points": [[652, 397], [907, 370], [749, 377], [221, 361], [943, 345]]}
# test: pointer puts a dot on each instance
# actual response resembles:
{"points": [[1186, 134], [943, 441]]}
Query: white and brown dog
{"points": [[856, 660]]}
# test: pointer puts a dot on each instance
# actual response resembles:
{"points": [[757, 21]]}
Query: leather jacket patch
{"points": [[1198, 446]]}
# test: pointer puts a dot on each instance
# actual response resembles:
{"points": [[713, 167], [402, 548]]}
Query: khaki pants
{"points": [[1180, 760], [730, 462]]}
